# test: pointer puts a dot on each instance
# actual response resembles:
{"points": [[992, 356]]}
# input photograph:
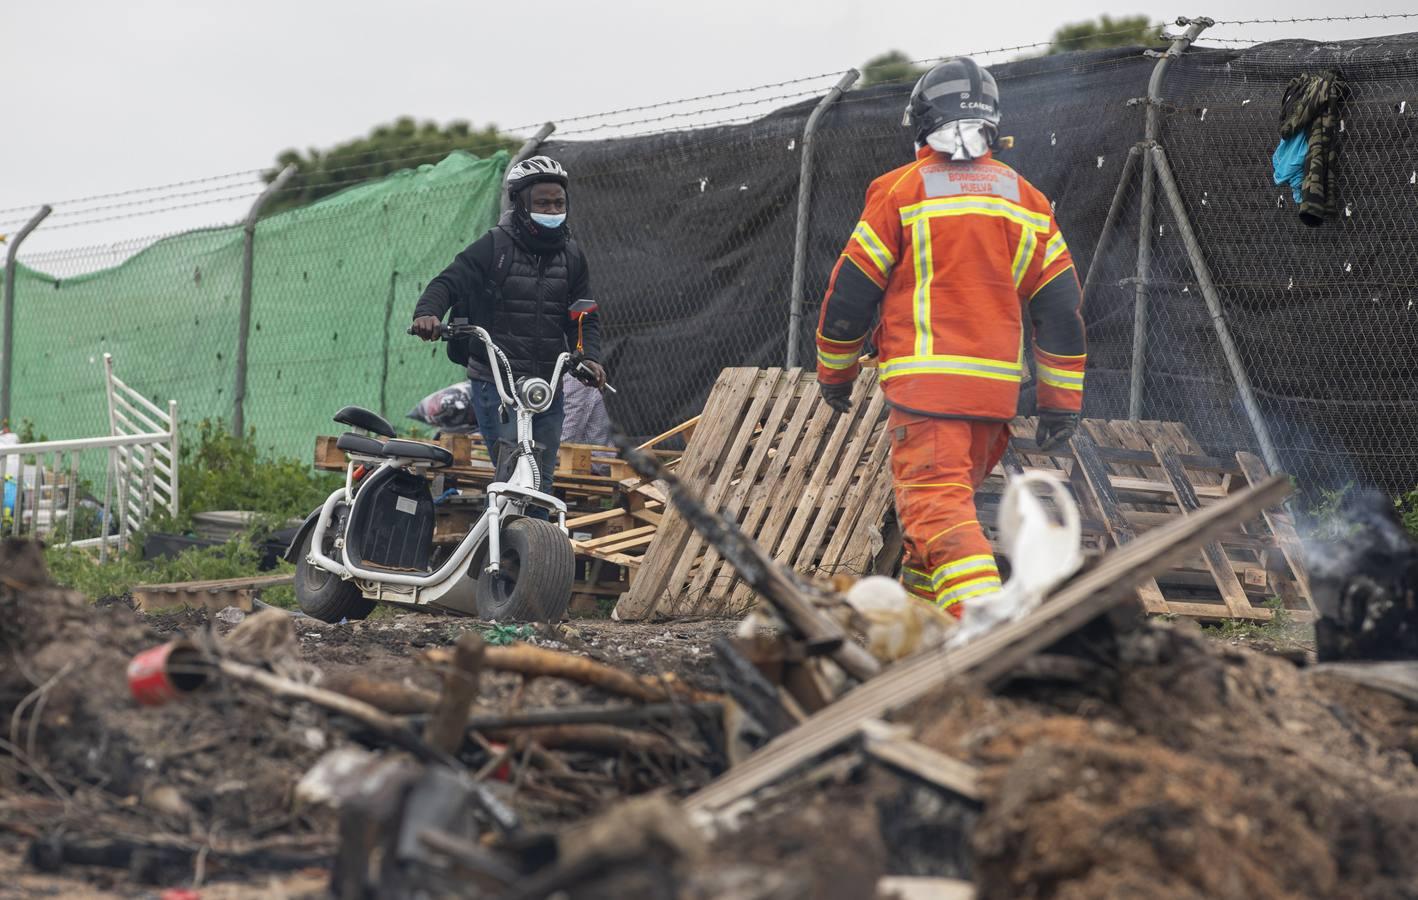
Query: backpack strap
{"points": [[502, 250]]}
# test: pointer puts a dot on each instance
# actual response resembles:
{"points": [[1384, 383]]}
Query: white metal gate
{"points": [[42, 479]]}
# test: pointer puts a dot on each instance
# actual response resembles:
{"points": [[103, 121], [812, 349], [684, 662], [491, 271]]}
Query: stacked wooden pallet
{"points": [[611, 513]]}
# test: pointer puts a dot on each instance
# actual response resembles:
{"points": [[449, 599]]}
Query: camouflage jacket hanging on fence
{"points": [[1312, 103]]}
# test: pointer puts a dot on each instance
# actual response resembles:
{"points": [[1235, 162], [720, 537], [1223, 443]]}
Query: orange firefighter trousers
{"points": [[937, 464]]}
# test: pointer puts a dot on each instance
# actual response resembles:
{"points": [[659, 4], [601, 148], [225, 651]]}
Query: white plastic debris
{"points": [[230, 616], [1043, 550], [897, 626]]}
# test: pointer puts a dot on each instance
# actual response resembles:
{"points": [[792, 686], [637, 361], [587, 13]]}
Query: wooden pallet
{"points": [[811, 487], [1131, 477], [213, 596]]}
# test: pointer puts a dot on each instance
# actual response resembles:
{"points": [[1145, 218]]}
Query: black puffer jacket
{"points": [[529, 319]]}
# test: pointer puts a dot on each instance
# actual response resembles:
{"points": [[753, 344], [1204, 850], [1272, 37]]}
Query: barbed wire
{"points": [[31, 207], [136, 215], [695, 112], [663, 103], [129, 204], [1302, 20]]}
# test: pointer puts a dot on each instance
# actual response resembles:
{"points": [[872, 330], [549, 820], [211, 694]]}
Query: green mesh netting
{"points": [[333, 293]]}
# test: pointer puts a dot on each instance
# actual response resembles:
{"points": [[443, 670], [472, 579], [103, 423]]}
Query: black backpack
{"points": [[502, 250]]}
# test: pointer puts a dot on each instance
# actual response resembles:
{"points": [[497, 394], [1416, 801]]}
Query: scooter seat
{"points": [[418, 450], [359, 417], [359, 444]]}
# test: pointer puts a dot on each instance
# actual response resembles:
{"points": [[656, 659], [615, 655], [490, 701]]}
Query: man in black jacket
{"points": [[518, 281]]}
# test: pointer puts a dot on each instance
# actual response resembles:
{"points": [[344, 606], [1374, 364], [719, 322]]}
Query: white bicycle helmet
{"points": [[533, 170]]}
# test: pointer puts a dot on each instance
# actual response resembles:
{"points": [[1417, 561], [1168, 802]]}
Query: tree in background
{"points": [[890, 67], [401, 145], [1128, 31]]}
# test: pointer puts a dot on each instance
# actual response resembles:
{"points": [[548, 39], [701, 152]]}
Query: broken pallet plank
{"points": [[1281, 526], [881, 742]]}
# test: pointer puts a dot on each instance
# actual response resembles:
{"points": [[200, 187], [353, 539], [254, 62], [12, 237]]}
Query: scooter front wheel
{"points": [[323, 595], [535, 571]]}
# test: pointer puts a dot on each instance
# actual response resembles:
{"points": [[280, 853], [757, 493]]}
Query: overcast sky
{"points": [[108, 95]]}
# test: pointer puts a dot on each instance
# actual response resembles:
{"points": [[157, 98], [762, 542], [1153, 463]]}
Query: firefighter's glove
{"points": [[837, 396], [1055, 428]]}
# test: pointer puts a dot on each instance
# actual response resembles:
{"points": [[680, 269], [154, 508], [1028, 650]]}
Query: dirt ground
{"points": [[1184, 766], [204, 786]]}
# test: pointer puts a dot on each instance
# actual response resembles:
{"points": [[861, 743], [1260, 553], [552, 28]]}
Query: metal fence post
{"points": [[795, 309], [1213, 306], [527, 149], [7, 350], [1105, 237], [243, 327], [1144, 229]]}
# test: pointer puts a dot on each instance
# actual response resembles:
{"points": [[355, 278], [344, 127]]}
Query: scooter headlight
{"points": [[535, 394]]}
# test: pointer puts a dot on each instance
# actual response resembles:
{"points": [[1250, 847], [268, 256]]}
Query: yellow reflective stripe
{"points": [[968, 565], [959, 568], [912, 578], [995, 369], [874, 247], [1022, 255], [988, 584], [1054, 248], [925, 271], [944, 531], [1061, 378], [1068, 268], [836, 360], [938, 484], [975, 206]]}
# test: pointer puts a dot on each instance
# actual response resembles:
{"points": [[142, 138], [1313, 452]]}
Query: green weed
{"points": [[80, 569]]}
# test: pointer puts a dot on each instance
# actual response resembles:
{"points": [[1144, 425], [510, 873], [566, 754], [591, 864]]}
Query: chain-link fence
{"points": [[1323, 318], [690, 239]]}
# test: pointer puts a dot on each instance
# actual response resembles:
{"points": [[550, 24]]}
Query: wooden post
{"points": [[449, 723]]}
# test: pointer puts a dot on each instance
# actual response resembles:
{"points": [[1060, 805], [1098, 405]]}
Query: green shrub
{"points": [[219, 471], [80, 569], [1407, 505]]}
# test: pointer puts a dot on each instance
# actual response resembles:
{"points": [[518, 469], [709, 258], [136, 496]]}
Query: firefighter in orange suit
{"points": [[949, 252]]}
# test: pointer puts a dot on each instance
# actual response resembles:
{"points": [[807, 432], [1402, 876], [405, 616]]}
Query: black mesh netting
{"points": [[690, 237]]}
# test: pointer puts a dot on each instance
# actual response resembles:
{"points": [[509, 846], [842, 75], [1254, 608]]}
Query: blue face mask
{"points": [[549, 221]]}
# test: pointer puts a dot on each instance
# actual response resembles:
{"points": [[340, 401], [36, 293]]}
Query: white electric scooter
{"points": [[372, 540]]}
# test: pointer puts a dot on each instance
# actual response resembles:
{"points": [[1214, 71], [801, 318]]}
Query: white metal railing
{"points": [[42, 480]]}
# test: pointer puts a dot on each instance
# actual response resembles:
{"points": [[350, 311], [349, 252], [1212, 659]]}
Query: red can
{"points": [[159, 674]]}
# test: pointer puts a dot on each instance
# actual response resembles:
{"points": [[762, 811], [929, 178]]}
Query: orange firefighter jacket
{"points": [[948, 253]]}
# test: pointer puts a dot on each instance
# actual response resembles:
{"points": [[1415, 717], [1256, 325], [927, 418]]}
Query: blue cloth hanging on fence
{"points": [[1289, 161]]}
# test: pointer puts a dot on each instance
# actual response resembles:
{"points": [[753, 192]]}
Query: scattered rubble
{"points": [[1081, 751]]}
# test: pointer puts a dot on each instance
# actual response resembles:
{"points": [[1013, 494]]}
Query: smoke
{"points": [[1351, 534]]}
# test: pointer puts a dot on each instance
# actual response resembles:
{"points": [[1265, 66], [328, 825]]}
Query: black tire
{"points": [[534, 583], [324, 596]]}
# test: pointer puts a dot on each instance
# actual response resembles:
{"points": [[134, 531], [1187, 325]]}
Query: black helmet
{"points": [[533, 170], [955, 89]]}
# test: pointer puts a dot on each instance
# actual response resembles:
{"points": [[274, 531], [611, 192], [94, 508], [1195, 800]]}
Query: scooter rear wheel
{"points": [[325, 596], [536, 569]]}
